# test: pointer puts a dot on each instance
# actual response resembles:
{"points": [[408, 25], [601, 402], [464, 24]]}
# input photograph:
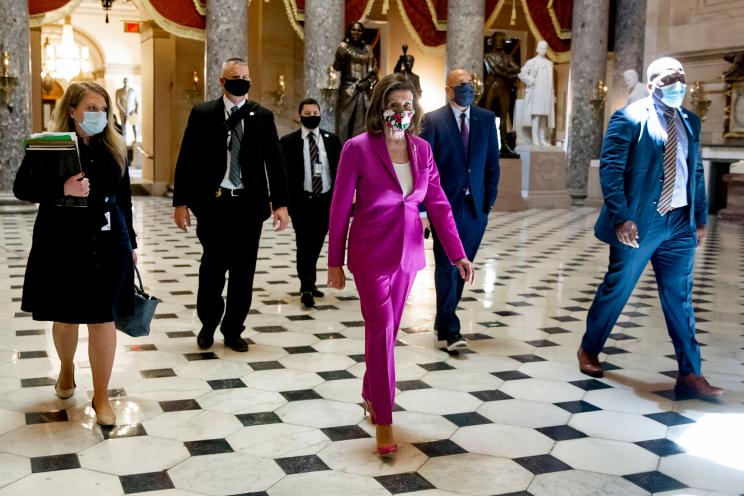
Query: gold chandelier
{"points": [[67, 60]]}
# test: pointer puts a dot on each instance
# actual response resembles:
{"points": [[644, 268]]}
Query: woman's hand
{"points": [[336, 278], [467, 272], [181, 217], [77, 185]]}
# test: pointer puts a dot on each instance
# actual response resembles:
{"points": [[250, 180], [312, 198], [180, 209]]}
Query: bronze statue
{"points": [[405, 66], [736, 70], [500, 72], [358, 67]]}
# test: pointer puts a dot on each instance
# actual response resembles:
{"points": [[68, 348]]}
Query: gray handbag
{"points": [[138, 324]]}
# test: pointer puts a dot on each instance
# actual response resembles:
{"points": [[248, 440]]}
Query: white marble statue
{"points": [[128, 106], [636, 89], [539, 98]]}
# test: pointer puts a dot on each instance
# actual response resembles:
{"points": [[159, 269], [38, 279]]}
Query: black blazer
{"points": [[292, 147], [202, 161]]}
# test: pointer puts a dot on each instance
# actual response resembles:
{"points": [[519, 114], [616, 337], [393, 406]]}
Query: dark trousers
{"points": [[229, 238], [310, 222], [670, 245], [447, 281]]}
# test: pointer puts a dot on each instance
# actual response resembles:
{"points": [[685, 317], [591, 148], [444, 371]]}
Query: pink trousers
{"points": [[382, 299]]}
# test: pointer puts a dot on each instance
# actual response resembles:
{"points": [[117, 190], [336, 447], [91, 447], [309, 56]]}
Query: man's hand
{"points": [[336, 278], [181, 217], [281, 219], [425, 224], [467, 272], [627, 233], [134, 257], [702, 233]]}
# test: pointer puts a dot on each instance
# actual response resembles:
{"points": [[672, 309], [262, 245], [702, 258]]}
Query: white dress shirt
{"points": [[325, 168], [679, 194], [226, 183], [405, 177], [456, 112]]}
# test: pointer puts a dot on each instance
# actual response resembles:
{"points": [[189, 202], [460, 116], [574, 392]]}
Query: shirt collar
{"points": [[457, 111], [229, 104], [306, 131]]}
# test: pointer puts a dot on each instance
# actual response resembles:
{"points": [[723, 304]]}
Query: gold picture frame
{"points": [[734, 112]]}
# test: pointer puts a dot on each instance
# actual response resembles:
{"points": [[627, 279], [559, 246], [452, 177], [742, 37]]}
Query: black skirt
{"points": [[77, 273]]}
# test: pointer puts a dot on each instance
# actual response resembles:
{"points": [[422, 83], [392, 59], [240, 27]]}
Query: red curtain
{"points": [[36, 7], [541, 17], [181, 12]]}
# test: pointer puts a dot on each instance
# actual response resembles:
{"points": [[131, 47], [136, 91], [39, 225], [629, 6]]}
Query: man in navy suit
{"points": [[655, 209], [465, 145]]}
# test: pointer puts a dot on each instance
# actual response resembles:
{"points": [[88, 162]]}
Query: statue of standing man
{"points": [[358, 67], [127, 104], [500, 72], [539, 100]]}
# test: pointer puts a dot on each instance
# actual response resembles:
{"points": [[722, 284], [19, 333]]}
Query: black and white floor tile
{"points": [[512, 417]]}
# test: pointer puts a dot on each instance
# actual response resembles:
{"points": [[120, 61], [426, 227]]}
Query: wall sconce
{"points": [[194, 93], [280, 91], [698, 100], [599, 97], [8, 83]]}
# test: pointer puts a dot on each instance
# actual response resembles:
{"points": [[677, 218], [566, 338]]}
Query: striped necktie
{"points": [[670, 163], [315, 159], [236, 136]]}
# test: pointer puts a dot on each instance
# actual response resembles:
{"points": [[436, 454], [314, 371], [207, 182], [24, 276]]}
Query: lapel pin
{"points": [[252, 113], [325, 135]]}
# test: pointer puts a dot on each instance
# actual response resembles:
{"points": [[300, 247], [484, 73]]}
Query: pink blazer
{"points": [[386, 233]]}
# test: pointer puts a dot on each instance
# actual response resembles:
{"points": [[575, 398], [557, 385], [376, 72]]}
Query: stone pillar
{"points": [[227, 37], [158, 68], [324, 30], [588, 66], [465, 20], [15, 118], [630, 28]]}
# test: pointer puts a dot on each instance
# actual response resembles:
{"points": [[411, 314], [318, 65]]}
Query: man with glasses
{"points": [[655, 209], [464, 140]]}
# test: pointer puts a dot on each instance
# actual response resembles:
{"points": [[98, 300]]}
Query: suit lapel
{"points": [[656, 131], [474, 132], [378, 145], [414, 159]]}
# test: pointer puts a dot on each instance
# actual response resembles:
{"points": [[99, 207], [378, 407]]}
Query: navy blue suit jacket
{"points": [[631, 170], [458, 168]]}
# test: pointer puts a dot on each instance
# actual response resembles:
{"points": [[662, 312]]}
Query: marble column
{"points": [[588, 66], [465, 20], [15, 118], [630, 28], [226, 37], [324, 29]]}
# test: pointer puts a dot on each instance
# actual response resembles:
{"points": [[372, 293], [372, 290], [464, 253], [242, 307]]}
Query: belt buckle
{"points": [[233, 193]]}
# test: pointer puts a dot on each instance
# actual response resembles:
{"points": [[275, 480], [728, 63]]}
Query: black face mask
{"points": [[237, 87], [310, 121]]}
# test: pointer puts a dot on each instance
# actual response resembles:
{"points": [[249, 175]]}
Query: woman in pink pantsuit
{"points": [[391, 171]]}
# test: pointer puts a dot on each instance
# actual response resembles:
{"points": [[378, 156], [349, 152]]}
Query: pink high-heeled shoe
{"points": [[367, 406]]}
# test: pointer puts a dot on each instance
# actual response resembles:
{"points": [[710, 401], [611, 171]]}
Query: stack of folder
{"points": [[53, 157]]}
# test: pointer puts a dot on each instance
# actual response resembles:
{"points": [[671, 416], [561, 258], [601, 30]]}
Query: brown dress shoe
{"points": [[697, 386], [589, 364]]}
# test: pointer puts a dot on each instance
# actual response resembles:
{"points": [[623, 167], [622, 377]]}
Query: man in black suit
{"points": [[229, 149], [312, 158]]}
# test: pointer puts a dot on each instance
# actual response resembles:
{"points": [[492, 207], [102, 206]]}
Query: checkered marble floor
{"points": [[514, 416]]}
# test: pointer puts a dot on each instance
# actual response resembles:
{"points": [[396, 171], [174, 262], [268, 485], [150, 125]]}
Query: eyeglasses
{"points": [[404, 106], [675, 77]]}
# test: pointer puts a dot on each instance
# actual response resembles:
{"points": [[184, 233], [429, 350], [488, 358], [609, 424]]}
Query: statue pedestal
{"points": [[509, 198], [594, 196], [544, 177], [734, 210]]}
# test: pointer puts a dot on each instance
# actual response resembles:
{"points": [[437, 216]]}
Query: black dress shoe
{"points": [[205, 339], [317, 293], [236, 344], [307, 299]]}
